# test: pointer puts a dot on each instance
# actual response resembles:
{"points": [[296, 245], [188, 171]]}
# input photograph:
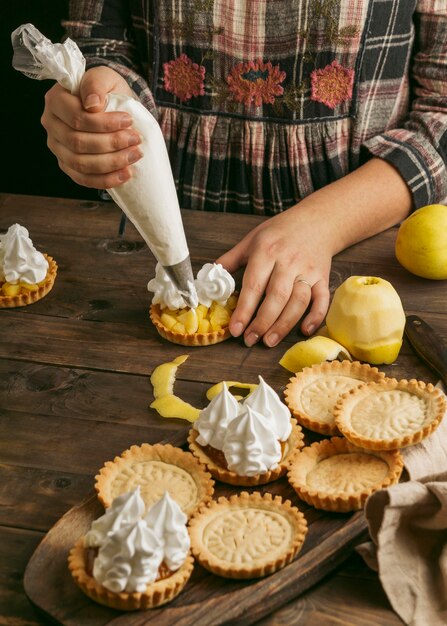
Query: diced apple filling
{"points": [[11, 289], [202, 320]]}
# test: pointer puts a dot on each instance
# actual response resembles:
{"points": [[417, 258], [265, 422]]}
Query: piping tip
{"points": [[183, 278]]}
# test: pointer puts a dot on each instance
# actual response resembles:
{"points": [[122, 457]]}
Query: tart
{"points": [[335, 475], [202, 326], [156, 469], [23, 294], [214, 460], [312, 393], [247, 535], [164, 589], [390, 414]]}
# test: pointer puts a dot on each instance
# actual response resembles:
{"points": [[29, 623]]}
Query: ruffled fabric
{"points": [[248, 166]]}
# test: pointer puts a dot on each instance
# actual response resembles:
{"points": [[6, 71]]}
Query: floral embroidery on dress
{"points": [[256, 82], [332, 84], [184, 78]]}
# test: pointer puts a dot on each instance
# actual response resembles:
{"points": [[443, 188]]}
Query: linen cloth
{"points": [[262, 102], [408, 527]]}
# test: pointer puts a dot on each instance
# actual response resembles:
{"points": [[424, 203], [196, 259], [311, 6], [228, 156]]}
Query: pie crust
{"points": [[29, 297], [312, 393], [156, 468], [390, 414], [191, 339], [247, 535], [335, 475], [294, 442], [156, 594]]}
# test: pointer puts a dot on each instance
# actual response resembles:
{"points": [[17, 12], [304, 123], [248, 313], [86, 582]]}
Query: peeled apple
{"points": [[366, 316]]}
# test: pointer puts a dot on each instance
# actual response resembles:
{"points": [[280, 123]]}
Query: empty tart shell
{"points": [[191, 339], [390, 414], [312, 393], [335, 475], [224, 475], [269, 531], [156, 593], [156, 469], [26, 296]]}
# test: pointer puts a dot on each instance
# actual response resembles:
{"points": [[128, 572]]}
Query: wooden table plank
{"points": [[16, 547]]}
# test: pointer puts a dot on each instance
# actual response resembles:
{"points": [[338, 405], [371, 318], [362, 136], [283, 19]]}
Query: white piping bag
{"points": [[149, 198]]}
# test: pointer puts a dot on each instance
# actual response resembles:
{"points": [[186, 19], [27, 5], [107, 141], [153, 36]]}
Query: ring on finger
{"points": [[303, 280]]}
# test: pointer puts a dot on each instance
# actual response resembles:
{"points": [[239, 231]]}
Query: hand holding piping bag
{"points": [[155, 215]]}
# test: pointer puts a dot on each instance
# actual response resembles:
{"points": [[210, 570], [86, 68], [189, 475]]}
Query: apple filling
{"points": [[201, 320], [15, 289]]}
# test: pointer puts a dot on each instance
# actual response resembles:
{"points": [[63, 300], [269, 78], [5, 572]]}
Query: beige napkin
{"points": [[408, 527]]}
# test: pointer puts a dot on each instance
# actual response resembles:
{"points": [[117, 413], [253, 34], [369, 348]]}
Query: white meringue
{"points": [[129, 558], [19, 259], [168, 522], [251, 446], [213, 420], [266, 401], [214, 283], [125, 509]]}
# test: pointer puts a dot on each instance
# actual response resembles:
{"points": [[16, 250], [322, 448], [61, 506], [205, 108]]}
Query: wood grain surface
{"points": [[75, 391]]}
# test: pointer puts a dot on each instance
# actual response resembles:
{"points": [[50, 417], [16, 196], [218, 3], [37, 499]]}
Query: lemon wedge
{"points": [[312, 351]]}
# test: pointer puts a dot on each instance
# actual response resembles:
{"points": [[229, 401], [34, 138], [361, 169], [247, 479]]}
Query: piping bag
{"points": [[149, 198]]}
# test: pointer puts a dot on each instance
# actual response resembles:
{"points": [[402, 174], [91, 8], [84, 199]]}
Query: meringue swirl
{"points": [[250, 445], [19, 259], [166, 293], [213, 420], [214, 283]]}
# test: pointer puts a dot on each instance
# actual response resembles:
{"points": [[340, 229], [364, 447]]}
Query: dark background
{"points": [[27, 166]]}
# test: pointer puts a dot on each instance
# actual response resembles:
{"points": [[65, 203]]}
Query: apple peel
{"points": [[232, 387], [313, 351], [166, 403]]}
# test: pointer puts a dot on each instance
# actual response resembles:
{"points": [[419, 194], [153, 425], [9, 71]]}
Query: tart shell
{"points": [[362, 372], [224, 475], [191, 339], [330, 499], [157, 593], [176, 471], [23, 299], [239, 513], [382, 400]]}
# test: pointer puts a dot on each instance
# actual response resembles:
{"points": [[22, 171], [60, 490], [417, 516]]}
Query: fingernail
{"points": [[237, 329], [123, 176], [251, 339], [92, 100], [271, 340], [310, 329], [133, 140], [134, 155], [125, 121]]}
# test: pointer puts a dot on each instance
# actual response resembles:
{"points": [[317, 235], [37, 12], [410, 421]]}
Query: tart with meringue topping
{"points": [[26, 275], [247, 443], [131, 560], [209, 322]]}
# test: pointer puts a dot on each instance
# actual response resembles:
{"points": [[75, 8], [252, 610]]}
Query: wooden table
{"points": [[74, 381]]}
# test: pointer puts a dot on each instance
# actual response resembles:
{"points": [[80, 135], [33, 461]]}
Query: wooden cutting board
{"points": [[207, 599]]}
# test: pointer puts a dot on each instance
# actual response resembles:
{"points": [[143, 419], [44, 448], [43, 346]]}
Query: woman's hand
{"points": [[93, 147], [299, 245], [288, 261]]}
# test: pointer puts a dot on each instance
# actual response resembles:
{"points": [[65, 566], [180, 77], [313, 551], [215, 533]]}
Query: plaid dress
{"points": [[261, 102]]}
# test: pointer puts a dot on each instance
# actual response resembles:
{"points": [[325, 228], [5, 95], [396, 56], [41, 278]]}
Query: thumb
{"points": [[95, 85]]}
